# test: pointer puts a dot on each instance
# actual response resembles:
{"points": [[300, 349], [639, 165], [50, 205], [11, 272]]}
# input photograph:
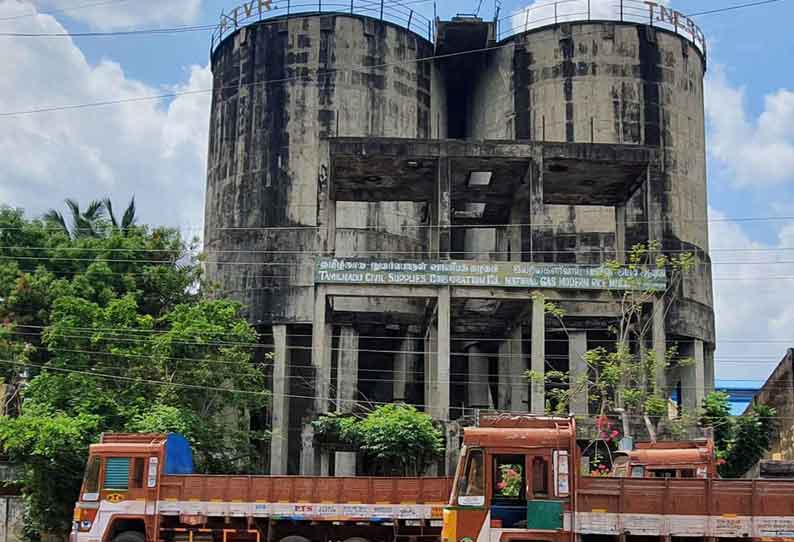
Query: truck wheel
{"points": [[356, 539], [294, 538], [130, 536]]}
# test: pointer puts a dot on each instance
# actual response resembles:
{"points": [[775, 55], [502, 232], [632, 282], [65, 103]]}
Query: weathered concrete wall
{"points": [[279, 89], [611, 83], [778, 393]]}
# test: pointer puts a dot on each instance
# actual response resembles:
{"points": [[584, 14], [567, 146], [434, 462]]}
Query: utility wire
{"points": [[63, 10]]}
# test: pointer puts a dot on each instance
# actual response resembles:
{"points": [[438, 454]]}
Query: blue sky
{"points": [[157, 149]]}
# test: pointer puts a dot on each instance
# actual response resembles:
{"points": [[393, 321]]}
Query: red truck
{"points": [[517, 479]]}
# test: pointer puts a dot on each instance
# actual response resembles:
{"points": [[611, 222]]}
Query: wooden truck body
{"points": [[132, 492]]}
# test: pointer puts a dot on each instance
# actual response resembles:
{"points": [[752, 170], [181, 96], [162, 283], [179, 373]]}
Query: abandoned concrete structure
{"points": [[338, 136]]}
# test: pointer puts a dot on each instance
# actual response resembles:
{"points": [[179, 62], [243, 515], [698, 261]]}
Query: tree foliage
{"points": [[622, 379], [110, 332], [396, 437], [740, 441]]}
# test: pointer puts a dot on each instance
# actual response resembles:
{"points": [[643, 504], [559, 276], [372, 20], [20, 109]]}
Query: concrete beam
{"points": [[279, 426], [326, 204], [431, 361], [578, 370], [538, 364], [347, 370]]}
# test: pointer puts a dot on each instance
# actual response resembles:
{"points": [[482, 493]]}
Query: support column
{"points": [[322, 335], [442, 376], [536, 208], [695, 379], [309, 455], [431, 362], [279, 426], [578, 370], [347, 370], [659, 346], [404, 367], [345, 464], [452, 448], [620, 233], [538, 399], [325, 460], [478, 387], [513, 386], [518, 214], [443, 205], [326, 203]]}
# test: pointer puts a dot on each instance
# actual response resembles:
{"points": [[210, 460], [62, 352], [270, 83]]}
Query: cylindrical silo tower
{"points": [[280, 86], [617, 83]]}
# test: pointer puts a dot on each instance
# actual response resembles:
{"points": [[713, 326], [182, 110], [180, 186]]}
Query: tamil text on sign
{"points": [[489, 274]]}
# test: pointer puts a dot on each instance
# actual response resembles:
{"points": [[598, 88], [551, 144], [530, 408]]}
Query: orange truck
{"points": [[517, 480]]}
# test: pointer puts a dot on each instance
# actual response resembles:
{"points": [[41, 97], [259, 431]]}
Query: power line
{"points": [[731, 8]]}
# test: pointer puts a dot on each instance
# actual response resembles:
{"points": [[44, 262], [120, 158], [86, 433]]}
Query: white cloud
{"points": [[756, 151], [755, 316], [153, 149], [113, 15]]}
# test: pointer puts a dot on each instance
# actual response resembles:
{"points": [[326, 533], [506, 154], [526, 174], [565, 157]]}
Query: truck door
{"points": [[544, 508]]}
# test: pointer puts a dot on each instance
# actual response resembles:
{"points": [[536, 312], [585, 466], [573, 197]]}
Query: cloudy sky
{"points": [[155, 149]]}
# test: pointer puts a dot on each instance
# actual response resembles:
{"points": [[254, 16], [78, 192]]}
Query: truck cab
{"points": [[120, 490], [514, 480], [680, 459]]}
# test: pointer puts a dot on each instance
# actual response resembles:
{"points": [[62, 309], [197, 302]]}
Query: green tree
{"points": [[82, 223], [740, 441], [394, 438], [622, 379], [127, 220], [112, 333]]}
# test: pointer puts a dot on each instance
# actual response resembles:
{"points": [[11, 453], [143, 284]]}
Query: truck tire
{"points": [[356, 539], [130, 536], [294, 538]]}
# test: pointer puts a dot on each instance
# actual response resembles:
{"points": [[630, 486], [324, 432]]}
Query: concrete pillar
{"points": [[443, 203], [513, 387], [326, 205], [405, 367], [441, 211], [442, 376], [538, 364], [279, 426], [620, 233], [309, 455], [345, 464], [321, 350], [325, 460], [695, 379], [578, 371], [536, 208], [431, 359], [452, 450], [659, 346], [503, 244], [347, 370], [478, 388], [518, 215]]}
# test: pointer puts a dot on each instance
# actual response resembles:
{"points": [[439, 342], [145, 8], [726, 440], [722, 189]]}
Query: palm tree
{"points": [[83, 224], [129, 218]]}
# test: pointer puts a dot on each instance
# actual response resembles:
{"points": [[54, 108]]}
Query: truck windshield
{"points": [[471, 486], [91, 483]]}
